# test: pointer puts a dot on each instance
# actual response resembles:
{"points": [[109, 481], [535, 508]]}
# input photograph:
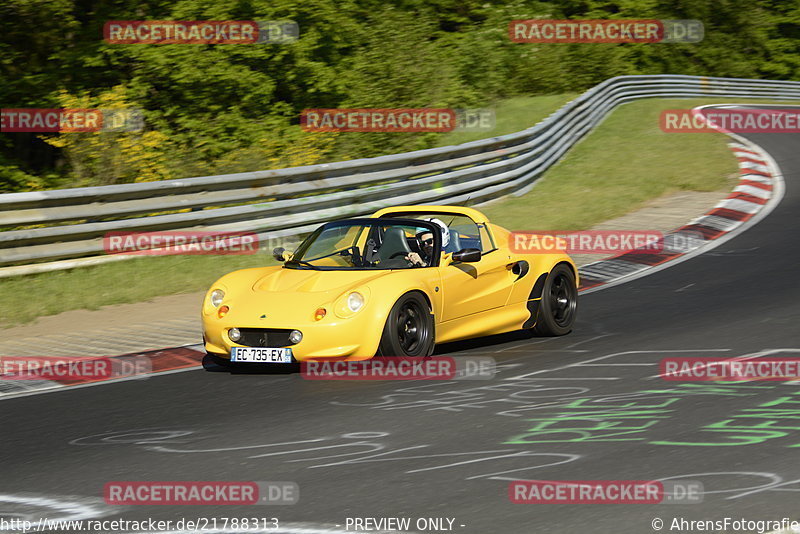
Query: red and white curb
{"points": [[759, 191], [148, 363]]}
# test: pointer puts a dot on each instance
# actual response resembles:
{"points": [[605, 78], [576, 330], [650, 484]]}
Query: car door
{"points": [[470, 288]]}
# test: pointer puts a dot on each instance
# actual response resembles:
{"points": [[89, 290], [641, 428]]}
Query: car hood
{"points": [[313, 281], [275, 297]]}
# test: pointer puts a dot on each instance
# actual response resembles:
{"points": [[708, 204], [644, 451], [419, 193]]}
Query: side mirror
{"points": [[467, 255], [277, 253]]}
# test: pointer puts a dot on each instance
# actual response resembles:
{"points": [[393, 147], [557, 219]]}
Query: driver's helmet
{"points": [[445, 231]]}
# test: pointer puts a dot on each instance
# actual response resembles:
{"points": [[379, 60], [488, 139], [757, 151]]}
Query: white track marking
{"points": [[529, 376]]}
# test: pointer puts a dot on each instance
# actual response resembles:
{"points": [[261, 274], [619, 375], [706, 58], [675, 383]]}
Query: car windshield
{"points": [[357, 244], [463, 232]]}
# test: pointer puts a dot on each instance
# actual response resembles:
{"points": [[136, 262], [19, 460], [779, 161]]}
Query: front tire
{"points": [[409, 329], [559, 304]]}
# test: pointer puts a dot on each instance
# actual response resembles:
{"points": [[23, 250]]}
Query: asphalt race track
{"points": [[587, 406]]}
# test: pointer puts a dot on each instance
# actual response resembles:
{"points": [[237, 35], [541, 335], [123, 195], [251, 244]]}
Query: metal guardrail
{"points": [[71, 223]]}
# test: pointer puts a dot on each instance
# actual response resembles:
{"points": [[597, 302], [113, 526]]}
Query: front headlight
{"points": [[234, 334], [295, 336], [352, 302], [216, 297], [355, 301]]}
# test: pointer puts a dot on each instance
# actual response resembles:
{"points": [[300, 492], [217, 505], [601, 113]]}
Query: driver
{"points": [[425, 239]]}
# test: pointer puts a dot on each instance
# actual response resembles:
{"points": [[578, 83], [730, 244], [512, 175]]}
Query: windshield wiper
{"points": [[300, 262]]}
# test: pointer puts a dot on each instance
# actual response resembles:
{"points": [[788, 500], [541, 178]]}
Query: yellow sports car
{"points": [[393, 284]]}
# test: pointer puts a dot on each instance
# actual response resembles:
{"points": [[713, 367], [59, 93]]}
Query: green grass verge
{"points": [[24, 298], [512, 115], [619, 167], [624, 163]]}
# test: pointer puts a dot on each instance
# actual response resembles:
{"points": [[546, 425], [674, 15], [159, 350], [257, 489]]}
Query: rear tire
{"points": [[559, 304], [409, 329]]}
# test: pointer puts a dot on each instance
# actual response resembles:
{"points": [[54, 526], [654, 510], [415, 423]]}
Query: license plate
{"points": [[261, 355]]}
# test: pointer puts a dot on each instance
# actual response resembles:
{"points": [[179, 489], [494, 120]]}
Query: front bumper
{"points": [[343, 339]]}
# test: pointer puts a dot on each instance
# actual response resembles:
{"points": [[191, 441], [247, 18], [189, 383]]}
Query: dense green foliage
{"points": [[228, 108]]}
